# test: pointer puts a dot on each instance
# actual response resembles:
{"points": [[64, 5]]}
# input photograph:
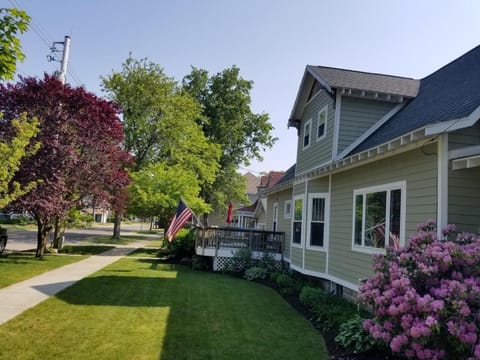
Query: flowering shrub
{"points": [[426, 296]]}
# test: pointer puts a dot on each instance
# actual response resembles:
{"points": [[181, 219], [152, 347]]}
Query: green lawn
{"points": [[145, 252], [16, 267], [140, 309], [85, 249], [123, 240]]}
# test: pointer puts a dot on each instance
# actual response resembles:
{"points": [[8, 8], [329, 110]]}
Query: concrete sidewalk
{"points": [[23, 295]]}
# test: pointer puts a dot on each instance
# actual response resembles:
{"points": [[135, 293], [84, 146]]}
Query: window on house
{"points": [[287, 213], [297, 221], [306, 134], [322, 123], [378, 216], [316, 219]]}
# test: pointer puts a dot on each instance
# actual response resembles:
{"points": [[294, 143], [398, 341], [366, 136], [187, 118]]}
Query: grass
{"points": [[140, 309], [123, 240], [16, 267], [145, 252], [85, 249]]}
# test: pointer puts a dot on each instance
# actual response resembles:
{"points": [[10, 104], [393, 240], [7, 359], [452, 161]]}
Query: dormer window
{"points": [[322, 123], [306, 134]]}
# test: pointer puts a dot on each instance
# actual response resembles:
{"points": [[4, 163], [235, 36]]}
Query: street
{"points": [[19, 239]]}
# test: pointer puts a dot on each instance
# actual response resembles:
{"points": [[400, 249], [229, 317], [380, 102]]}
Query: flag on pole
{"points": [[182, 215]]}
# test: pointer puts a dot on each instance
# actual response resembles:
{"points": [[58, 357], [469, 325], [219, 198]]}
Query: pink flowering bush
{"points": [[426, 296]]}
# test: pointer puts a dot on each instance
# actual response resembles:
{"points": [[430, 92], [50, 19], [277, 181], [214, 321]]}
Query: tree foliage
{"points": [[155, 191], [14, 146], [162, 134], [80, 157], [12, 22], [227, 120]]}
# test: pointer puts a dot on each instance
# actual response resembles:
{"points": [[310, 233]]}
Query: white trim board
{"points": [[455, 124]]}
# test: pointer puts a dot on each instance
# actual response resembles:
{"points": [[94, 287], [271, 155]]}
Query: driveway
{"points": [[20, 239]]}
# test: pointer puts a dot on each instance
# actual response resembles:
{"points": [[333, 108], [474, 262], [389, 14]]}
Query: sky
{"points": [[271, 41]]}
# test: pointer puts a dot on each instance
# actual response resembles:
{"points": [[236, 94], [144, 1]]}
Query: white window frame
{"points": [[323, 110], [309, 124], [287, 205], [300, 244], [400, 185], [326, 221], [275, 217]]}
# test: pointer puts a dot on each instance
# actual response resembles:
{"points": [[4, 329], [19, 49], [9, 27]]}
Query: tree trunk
{"points": [[151, 223], [42, 235], [57, 235], [116, 226]]}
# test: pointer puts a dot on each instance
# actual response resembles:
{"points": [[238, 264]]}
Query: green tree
{"points": [[14, 141], [159, 120], [155, 191], [12, 22], [12, 150], [227, 120]]}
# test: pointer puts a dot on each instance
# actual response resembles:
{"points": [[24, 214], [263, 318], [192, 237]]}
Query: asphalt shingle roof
{"points": [[350, 79], [452, 92], [289, 175]]}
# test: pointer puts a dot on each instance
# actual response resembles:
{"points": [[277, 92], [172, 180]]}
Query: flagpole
{"points": [[194, 215]]}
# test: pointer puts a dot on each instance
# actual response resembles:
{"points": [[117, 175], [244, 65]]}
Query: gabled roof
{"points": [[452, 92], [333, 79], [359, 80]]}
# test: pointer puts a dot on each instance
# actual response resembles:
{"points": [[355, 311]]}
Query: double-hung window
{"points": [[317, 220], [379, 217], [287, 212], [307, 129], [322, 123], [297, 220]]}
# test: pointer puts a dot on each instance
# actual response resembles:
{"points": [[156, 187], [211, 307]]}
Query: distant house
{"points": [[376, 155]]}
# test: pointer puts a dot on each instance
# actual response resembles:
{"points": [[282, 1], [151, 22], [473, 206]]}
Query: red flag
{"points": [[182, 215], [230, 213]]}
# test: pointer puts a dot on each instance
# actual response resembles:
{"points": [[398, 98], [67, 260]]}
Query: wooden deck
{"points": [[223, 241]]}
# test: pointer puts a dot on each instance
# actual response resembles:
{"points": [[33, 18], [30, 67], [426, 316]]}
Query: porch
{"points": [[225, 241]]}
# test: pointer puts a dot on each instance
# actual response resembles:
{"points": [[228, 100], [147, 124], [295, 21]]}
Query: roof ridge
{"points": [[364, 72]]}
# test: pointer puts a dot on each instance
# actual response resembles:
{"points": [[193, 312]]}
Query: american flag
{"points": [[182, 215]]}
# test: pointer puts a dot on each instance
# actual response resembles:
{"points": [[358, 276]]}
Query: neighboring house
{"points": [[376, 155], [253, 216]]}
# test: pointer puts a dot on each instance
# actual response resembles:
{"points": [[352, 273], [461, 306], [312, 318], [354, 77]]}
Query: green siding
{"points": [[283, 224], [420, 173], [464, 184], [319, 151], [357, 116], [296, 257], [318, 185], [315, 260]]}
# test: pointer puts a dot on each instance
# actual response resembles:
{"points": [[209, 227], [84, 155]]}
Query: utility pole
{"points": [[62, 73]]}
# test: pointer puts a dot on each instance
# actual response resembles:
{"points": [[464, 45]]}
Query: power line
{"points": [[46, 39]]}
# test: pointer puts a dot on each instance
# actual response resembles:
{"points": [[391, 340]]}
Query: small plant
{"points": [[288, 284], [255, 273], [354, 338], [311, 297]]}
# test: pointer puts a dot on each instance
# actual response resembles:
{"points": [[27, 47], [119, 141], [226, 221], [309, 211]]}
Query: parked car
{"points": [[3, 239]]}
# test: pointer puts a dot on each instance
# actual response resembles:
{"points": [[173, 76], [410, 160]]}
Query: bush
{"points": [[311, 297], [183, 246], [426, 296], [255, 273], [354, 338], [288, 284]]}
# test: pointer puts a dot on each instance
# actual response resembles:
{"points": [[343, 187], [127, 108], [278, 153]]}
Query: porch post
{"points": [[442, 183]]}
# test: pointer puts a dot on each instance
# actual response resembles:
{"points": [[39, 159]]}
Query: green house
{"points": [[376, 155]]}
